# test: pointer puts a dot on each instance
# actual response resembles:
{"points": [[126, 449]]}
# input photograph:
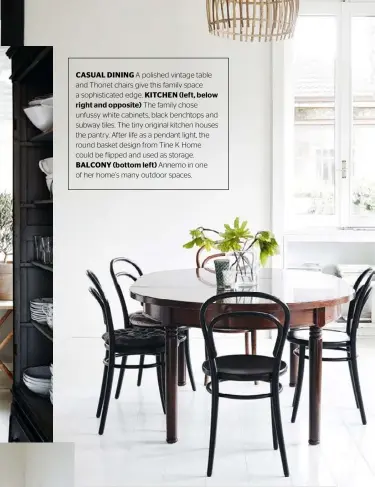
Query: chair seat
{"points": [[244, 367], [138, 340], [331, 338], [140, 319]]}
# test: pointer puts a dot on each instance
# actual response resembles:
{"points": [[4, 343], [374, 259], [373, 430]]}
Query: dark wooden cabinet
{"points": [[12, 22], [32, 76]]}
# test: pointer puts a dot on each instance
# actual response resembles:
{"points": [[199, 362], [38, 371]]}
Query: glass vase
{"points": [[247, 265]]}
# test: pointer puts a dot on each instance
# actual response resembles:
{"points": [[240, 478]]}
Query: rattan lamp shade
{"points": [[252, 20]]}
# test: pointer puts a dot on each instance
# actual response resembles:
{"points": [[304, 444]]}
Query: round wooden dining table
{"points": [[175, 297]]}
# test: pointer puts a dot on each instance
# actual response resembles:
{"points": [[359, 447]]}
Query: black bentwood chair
{"points": [[338, 341], [120, 343], [247, 368], [139, 319]]}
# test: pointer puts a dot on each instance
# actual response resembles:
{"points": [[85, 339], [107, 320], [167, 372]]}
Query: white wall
{"points": [[49, 465], [12, 464], [92, 227]]}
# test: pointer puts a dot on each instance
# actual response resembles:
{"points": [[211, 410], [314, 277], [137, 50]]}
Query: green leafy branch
{"points": [[237, 238]]}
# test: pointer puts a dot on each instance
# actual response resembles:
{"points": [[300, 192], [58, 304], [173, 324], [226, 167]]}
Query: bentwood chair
{"points": [[140, 319], [202, 262], [122, 343], [245, 368], [344, 342]]}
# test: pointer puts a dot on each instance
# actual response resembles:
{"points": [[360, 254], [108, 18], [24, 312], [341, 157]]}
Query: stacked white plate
{"points": [[48, 309], [38, 308], [38, 379], [51, 386]]}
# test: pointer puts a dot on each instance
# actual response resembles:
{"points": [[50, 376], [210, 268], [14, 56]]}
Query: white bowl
{"points": [[41, 385], [47, 101], [49, 182], [38, 372], [41, 116], [37, 389], [42, 100], [46, 165]]}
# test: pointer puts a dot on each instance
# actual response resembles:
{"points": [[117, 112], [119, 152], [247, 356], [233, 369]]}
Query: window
{"points": [[363, 93], [331, 178], [314, 191]]}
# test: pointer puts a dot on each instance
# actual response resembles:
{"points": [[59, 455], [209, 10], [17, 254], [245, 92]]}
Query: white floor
{"points": [[133, 452]]}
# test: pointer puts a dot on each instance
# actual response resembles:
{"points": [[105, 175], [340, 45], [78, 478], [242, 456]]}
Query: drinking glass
{"points": [[220, 266], [47, 252], [229, 278], [37, 247]]}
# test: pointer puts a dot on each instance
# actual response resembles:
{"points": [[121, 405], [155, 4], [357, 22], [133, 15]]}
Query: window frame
{"points": [[283, 126]]}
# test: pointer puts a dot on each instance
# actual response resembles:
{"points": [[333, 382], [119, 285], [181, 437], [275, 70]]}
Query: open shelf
{"points": [[46, 267], [43, 137], [39, 408], [42, 202], [37, 203], [44, 329], [32, 76]]}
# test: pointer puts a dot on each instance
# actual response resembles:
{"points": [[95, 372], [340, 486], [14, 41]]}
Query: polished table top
{"points": [[189, 288]]}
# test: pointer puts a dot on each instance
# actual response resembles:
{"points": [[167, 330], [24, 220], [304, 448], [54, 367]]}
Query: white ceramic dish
{"points": [[40, 301], [37, 381], [41, 116], [41, 387], [38, 372], [46, 165], [42, 100], [43, 384], [37, 389], [49, 182]]}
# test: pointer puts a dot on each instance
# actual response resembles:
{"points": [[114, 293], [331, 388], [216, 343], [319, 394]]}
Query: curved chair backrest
{"points": [[282, 324], [201, 261], [98, 293], [364, 280], [116, 274], [362, 295]]}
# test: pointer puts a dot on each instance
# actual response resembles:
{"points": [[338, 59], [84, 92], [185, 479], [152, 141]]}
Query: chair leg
{"points": [[298, 390], [160, 380], [107, 396], [247, 344], [102, 390], [293, 365], [140, 370], [162, 369], [254, 345], [206, 376], [188, 361], [274, 431], [279, 429], [358, 388], [121, 376], [214, 413], [352, 380]]}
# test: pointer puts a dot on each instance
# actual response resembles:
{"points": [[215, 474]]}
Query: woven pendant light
{"points": [[252, 20]]}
